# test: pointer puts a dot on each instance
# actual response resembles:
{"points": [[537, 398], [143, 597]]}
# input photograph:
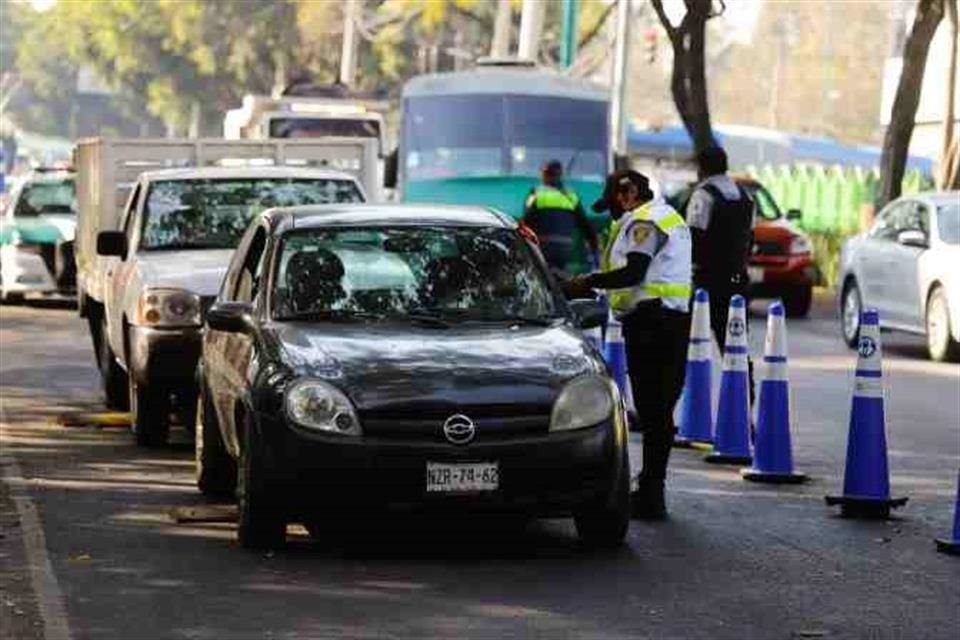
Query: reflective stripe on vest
{"points": [[552, 198], [668, 276]]}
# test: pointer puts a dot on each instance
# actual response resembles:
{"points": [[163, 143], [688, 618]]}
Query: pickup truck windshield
{"points": [[213, 214], [45, 197], [439, 274]]}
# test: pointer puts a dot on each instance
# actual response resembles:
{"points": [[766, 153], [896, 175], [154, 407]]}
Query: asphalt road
{"points": [[89, 548]]}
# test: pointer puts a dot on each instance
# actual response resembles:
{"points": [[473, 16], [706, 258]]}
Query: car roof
{"points": [[939, 198], [246, 172], [375, 215]]}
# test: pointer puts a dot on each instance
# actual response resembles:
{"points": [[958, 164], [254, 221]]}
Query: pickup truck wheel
{"points": [[262, 523], [149, 414], [797, 302], [605, 525], [216, 470], [186, 406], [940, 343], [113, 378]]}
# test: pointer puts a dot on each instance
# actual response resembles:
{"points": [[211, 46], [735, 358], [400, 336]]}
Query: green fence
{"points": [[831, 199]]}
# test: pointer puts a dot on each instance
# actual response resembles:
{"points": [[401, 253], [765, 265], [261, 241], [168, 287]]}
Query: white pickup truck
{"points": [[147, 272]]}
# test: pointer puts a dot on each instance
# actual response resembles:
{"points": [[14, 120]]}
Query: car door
{"points": [[234, 350], [117, 272], [904, 306], [871, 262]]}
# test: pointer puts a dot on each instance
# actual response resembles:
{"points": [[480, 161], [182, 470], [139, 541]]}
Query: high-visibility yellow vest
{"points": [[669, 275]]}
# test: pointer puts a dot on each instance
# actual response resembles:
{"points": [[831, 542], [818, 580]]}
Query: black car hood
{"points": [[403, 368]]}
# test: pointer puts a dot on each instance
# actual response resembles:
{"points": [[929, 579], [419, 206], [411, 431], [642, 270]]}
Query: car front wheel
{"points": [[604, 525], [850, 308], [113, 378], [216, 469], [262, 524], [940, 343]]}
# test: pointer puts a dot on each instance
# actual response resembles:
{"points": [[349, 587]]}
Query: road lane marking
{"points": [[42, 578]]}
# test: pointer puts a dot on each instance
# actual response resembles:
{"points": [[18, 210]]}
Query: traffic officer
{"points": [[554, 213], [646, 270], [721, 215]]}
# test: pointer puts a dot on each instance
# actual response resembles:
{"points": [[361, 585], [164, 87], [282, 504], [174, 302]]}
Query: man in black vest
{"points": [[720, 215]]}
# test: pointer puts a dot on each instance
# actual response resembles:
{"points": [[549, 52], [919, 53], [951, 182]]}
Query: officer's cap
{"points": [[616, 181]]}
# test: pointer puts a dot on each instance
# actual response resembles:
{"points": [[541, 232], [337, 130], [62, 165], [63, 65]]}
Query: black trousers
{"points": [[655, 340], [720, 294]]}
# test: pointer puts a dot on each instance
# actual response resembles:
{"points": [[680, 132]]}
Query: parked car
{"points": [[782, 264], [36, 236], [167, 262], [907, 266], [406, 356]]}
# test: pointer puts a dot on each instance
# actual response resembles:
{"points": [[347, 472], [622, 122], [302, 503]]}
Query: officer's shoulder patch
{"points": [[641, 231]]}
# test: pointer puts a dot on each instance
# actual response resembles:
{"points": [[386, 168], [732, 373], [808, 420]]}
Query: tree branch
{"points": [[592, 33], [672, 32]]}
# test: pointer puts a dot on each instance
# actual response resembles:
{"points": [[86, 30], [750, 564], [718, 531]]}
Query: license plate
{"points": [[755, 274], [462, 478]]}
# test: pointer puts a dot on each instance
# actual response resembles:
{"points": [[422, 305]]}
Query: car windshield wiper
{"points": [[427, 319], [332, 315]]}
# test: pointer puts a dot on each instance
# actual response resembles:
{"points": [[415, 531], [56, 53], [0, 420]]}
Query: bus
{"points": [[479, 137]]}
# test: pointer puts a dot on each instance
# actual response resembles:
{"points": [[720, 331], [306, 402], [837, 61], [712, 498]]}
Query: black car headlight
{"points": [[316, 405], [586, 401]]}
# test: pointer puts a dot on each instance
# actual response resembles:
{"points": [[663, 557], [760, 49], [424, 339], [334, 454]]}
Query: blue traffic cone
{"points": [[731, 444], [772, 453], [953, 546], [866, 480], [696, 417], [615, 354]]}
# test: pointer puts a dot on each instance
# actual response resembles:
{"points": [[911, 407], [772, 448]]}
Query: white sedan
{"points": [[907, 266]]}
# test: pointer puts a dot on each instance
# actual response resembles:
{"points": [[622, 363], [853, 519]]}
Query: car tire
{"points": [[149, 414], [605, 525], [262, 523], [216, 469], [12, 298], [940, 343], [851, 306], [186, 406], [113, 379], [797, 302]]}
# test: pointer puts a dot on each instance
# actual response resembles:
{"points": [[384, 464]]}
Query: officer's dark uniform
{"points": [[555, 215]]}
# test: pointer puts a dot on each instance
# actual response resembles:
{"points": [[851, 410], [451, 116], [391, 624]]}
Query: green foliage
{"points": [[826, 254]]}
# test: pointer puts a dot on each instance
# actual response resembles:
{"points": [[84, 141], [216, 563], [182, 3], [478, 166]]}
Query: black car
{"points": [[406, 357]]}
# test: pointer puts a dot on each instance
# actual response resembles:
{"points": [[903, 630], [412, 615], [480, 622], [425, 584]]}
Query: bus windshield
{"points": [[493, 135]]}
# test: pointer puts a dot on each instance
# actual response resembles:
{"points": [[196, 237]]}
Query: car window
{"points": [[886, 225], [481, 274], [46, 197], [766, 205], [213, 214], [249, 278], [948, 223]]}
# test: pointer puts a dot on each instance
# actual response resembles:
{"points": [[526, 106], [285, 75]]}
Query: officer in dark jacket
{"points": [[554, 214]]}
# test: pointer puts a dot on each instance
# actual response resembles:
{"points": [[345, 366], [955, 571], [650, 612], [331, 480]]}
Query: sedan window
{"points": [[442, 273], [948, 223], [47, 197], [887, 226]]}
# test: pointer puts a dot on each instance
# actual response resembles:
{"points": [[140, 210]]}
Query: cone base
{"points": [[724, 458], [951, 547], [773, 478], [865, 508]]}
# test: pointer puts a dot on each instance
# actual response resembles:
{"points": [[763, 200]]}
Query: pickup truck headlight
{"points": [[169, 308], [585, 402], [800, 245], [320, 406]]}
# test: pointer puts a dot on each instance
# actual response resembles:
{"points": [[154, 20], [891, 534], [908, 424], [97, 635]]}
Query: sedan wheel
{"points": [[216, 469], [605, 525], [850, 308], [262, 524], [940, 343]]}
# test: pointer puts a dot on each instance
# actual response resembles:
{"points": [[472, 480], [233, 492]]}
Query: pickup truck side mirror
{"points": [[112, 243], [913, 238], [794, 214], [588, 314], [230, 317], [390, 169]]}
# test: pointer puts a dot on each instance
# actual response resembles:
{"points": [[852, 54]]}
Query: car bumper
{"points": [[543, 475], [771, 277], [24, 272], [164, 355]]}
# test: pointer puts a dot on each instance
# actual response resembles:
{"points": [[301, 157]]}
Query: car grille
{"points": [[769, 249], [493, 424]]}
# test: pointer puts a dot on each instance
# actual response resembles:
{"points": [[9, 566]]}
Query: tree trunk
{"points": [[949, 176], [688, 82], [896, 141]]}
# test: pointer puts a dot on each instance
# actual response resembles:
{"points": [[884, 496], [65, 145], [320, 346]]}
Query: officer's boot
{"points": [[648, 502]]}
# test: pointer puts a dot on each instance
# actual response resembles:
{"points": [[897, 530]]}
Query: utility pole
{"points": [[618, 83], [348, 52], [500, 45], [531, 24], [568, 51]]}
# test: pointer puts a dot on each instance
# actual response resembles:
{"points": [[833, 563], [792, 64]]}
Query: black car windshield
{"points": [[213, 214], [948, 222], [451, 274], [321, 127], [45, 197]]}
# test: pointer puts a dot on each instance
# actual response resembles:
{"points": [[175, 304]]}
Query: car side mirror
{"points": [[230, 317], [588, 314], [794, 214], [390, 169], [912, 238], [112, 243]]}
